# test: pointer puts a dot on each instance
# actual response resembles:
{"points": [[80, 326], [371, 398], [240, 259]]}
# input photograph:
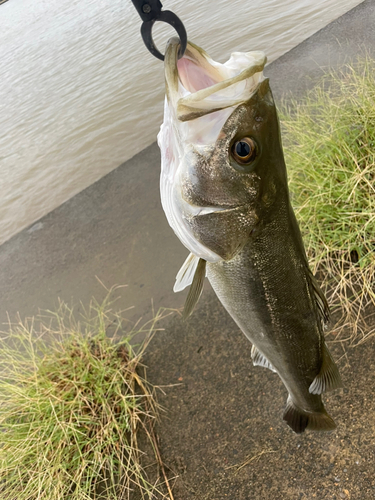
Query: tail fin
{"points": [[299, 419]]}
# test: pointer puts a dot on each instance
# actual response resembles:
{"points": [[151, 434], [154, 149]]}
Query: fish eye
{"points": [[244, 151]]}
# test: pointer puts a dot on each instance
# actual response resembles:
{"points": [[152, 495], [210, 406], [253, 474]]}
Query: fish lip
{"points": [[192, 52], [170, 65]]}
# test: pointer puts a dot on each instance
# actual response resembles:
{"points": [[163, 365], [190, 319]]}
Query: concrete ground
{"points": [[224, 412], [223, 436]]}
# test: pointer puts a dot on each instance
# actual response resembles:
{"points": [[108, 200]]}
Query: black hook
{"points": [[150, 11]]}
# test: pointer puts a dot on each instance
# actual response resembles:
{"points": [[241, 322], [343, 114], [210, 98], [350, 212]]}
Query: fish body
{"points": [[225, 193]]}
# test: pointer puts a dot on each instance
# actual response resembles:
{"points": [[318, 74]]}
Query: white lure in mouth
{"points": [[201, 94]]}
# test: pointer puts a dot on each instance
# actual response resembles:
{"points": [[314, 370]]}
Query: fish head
{"points": [[222, 160]]}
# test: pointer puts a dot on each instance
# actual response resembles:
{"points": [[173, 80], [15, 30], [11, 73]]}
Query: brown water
{"points": [[80, 94]]}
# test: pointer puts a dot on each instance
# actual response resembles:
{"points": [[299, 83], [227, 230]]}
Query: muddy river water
{"points": [[80, 94]]}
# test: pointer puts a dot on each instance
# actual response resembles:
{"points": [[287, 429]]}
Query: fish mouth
{"points": [[199, 211], [197, 85], [196, 211]]}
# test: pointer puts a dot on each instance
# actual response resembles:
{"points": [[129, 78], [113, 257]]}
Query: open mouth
{"points": [[196, 71], [198, 85]]}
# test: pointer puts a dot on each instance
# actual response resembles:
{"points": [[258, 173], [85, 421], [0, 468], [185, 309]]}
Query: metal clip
{"points": [[150, 11]]}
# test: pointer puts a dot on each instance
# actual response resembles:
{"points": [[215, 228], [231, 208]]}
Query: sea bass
{"points": [[225, 193]]}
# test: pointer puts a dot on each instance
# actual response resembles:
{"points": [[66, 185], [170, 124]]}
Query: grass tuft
{"points": [[73, 400], [329, 144]]}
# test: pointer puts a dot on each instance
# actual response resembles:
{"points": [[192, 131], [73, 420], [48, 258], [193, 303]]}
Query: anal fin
{"points": [[299, 419], [328, 378], [260, 360], [195, 289]]}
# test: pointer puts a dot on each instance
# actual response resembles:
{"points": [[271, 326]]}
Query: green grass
{"points": [[329, 144], [73, 401]]}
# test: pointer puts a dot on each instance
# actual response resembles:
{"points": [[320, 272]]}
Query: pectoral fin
{"points": [[328, 377], [260, 360], [195, 288], [185, 275]]}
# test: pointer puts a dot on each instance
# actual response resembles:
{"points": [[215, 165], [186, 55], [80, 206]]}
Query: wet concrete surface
{"points": [[224, 411]]}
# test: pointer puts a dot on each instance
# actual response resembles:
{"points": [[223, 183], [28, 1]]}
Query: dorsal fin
{"points": [[195, 289], [259, 359], [320, 299], [328, 378], [185, 275]]}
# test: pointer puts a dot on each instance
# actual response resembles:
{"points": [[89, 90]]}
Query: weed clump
{"points": [[73, 403], [329, 141]]}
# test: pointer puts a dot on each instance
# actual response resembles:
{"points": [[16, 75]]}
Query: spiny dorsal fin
{"points": [[260, 360], [195, 289], [320, 300], [328, 377], [185, 275]]}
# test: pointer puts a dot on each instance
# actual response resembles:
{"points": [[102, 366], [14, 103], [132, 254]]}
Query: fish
{"points": [[224, 191]]}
